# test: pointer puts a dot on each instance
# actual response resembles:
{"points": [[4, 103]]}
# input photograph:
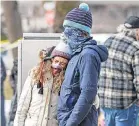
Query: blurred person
{"points": [[78, 102], [38, 102], [3, 77], [13, 81], [13, 76], [137, 37], [119, 77]]}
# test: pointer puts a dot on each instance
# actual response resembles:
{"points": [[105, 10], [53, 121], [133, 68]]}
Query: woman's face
{"points": [[58, 64], [137, 34]]}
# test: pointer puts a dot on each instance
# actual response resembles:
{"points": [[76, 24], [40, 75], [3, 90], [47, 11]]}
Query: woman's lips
{"points": [[56, 71]]}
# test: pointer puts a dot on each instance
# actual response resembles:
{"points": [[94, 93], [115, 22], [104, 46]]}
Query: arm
{"points": [[23, 104], [135, 65], [88, 85]]}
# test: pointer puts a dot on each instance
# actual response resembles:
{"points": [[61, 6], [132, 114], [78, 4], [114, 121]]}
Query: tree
{"points": [[62, 8], [13, 22]]}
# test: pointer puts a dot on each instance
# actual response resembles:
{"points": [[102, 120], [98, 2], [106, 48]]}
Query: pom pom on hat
{"points": [[84, 6], [80, 18]]}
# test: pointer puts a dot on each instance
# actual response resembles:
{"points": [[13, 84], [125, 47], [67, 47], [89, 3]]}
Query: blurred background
{"points": [[18, 17]]}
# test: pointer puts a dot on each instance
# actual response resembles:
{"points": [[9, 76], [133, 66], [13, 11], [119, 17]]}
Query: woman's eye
{"points": [[63, 64], [56, 61]]}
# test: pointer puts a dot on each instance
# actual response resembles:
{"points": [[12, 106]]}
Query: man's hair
{"points": [[122, 28]]}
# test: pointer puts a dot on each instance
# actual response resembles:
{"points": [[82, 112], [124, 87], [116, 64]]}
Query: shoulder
{"points": [[109, 40], [33, 74], [88, 52], [33, 70], [89, 56], [91, 53]]}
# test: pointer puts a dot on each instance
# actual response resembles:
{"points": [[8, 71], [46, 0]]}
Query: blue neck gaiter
{"points": [[75, 38]]}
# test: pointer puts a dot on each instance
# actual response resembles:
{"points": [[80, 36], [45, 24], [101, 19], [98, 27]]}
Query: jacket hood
{"points": [[100, 49]]}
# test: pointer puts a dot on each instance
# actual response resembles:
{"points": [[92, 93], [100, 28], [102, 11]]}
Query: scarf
{"points": [[75, 38]]}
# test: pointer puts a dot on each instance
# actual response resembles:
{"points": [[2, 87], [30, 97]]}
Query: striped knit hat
{"points": [[80, 18]]}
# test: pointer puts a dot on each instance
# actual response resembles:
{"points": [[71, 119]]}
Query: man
{"points": [[137, 37], [13, 81], [38, 102], [3, 77], [79, 89], [119, 78], [13, 76]]}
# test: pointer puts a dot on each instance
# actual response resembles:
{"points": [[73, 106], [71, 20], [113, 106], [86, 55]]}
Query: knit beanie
{"points": [[62, 50], [80, 18], [132, 22]]}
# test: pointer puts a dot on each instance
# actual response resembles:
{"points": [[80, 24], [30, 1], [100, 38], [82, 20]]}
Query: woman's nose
{"points": [[58, 63]]}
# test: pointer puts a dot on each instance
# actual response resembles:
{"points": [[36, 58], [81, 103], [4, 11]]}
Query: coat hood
{"points": [[100, 49]]}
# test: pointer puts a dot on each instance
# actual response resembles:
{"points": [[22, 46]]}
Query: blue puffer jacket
{"points": [[79, 88]]}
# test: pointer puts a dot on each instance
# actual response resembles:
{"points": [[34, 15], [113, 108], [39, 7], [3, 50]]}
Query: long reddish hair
{"points": [[43, 67]]}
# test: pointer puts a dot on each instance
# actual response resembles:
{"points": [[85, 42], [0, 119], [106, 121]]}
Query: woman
{"points": [[38, 102]]}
